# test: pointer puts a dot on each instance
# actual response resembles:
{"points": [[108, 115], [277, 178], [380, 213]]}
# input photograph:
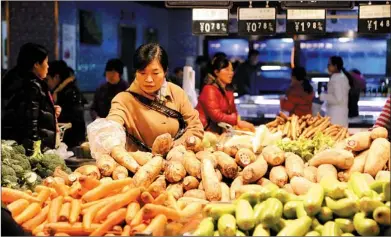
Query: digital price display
{"points": [[210, 21], [306, 21], [374, 19], [257, 21]]}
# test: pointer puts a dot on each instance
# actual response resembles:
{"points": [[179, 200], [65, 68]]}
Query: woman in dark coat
{"points": [[28, 112], [66, 94]]}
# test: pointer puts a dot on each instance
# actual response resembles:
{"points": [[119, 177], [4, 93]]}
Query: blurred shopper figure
{"points": [[177, 78], [66, 94], [216, 101], [202, 63], [246, 73], [28, 113], [384, 120], [337, 96], [299, 96], [9, 225], [359, 85], [105, 93]]}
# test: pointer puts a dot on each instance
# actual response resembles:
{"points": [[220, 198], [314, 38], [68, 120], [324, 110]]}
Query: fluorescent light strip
{"points": [[320, 79]]}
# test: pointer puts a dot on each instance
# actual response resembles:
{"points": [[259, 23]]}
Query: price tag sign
{"points": [[374, 19], [210, 21], [306, 21], [256, 21]]}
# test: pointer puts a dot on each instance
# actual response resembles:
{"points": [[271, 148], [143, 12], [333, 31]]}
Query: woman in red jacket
{"points": [[216, 101], [299, 96]]}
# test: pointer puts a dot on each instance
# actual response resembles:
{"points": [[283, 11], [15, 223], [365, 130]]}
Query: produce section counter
{"points": [[264, 108]]}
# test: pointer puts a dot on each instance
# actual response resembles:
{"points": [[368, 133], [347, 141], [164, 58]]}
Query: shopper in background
{"points": [[9, 225], [246, 73], [299, 96], [359, 85], [177, 78], [337, 96], [216, 101], [105, 93], [66, 94], [28, 113], [384, 120], [152, 106]]}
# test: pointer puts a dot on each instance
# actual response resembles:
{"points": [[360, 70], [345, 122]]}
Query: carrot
{"points": [[88, 182], [44, 194], [279, 176], [74, 190], [148, 173], [61, 234], [89, 170], [53, 193], [123, 158], [161, 199], [236, 184], [58, 172], [18, 206], [117, 218], [340, 158], [131, 211], [157, 226], [138, 218], [126, 231], [254, 171], [42, 234], [190, 182], [162, 144], [90, 204], [300, 185], [195, 193], [173, 229], [226, 164], [174, 171], [121, 201], [152, 210], [359, 141], [146, 197], [61, 189], [32, 210], [194, 144], [310, 173], [75, 211], [106, 164], [65, 212], [176, 190], [192, 165], [141, 157], [244, 157], [120, 172], [70, 229], [358, 166], [104, 190], [171, 202], [9, 195], [39, 228], [139, 228], [89, 216], [55, 208], [326, 170], [273, 155], [225, 192], [210, 180], [378, 156], [158, 186]]}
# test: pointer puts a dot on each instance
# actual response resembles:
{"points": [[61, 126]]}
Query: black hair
{"points": [[301, 75], [219, 54], [146, 53], [178, 69], [253, 52], [60, 68], [337, 61], [30, 54], [71, 71], [217, 63], [356, 71], [115, 65]]}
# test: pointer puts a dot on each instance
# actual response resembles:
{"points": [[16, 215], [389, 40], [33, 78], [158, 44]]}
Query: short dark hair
{"points": [[178, 69], [146, 53], [301, 75], [60, 68], [30, 54], [253, 52], [115, 65], [220, 54], [355, 70]]}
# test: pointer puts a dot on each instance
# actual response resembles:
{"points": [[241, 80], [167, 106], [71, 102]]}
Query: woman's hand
{"points": [[246, 125], [57, 110]]}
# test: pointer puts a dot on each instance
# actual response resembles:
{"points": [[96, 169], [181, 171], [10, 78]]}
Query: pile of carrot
{"points": [[307, 126], [116, 208]]}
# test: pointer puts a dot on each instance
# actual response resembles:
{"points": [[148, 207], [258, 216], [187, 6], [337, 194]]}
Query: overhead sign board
{"points": [[306, 21], [374, 19], [210, 21], [257, 21], [329, 5], [198, 4]]}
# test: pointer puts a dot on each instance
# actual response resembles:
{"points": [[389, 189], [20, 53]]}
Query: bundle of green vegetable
{"points": [[19, 171], [331, 208], [307, 148]]}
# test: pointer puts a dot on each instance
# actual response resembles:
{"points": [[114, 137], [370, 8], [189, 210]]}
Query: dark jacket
{"points": [[103, 97], [27, 110], [244, 74], [10, 227], [71, 101]]}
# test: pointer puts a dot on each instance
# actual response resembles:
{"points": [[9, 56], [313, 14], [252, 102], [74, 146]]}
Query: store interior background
{"points": [[42, 22]]}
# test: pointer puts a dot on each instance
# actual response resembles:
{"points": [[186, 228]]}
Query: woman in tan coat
{"points": [[152, 106]]}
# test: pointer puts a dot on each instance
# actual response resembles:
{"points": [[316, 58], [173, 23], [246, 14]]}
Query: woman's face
{"points": [[112, 77], [225, 75], [53, 81], [151, 78], [331, 68], [41, 69]]}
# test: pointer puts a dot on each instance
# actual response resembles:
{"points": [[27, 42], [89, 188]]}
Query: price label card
{"points": [[374, 19], [210, 21], [306, 21], [256, 21]]}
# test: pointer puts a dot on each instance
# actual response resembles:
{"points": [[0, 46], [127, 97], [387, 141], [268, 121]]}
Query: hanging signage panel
{"points": [[306, 21], [256, 21], [198, 4], [210, 21], [374, 19]]}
